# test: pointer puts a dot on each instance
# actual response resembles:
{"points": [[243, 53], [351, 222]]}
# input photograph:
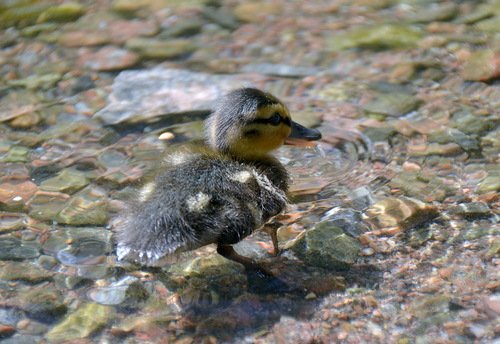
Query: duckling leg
{"points": [[272, 230], [227, 251]]}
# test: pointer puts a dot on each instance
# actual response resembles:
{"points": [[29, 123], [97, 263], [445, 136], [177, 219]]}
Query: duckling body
{"points": [[216, 194]]}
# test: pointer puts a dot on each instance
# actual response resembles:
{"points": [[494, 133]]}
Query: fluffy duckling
{"points": [[216, 194]]}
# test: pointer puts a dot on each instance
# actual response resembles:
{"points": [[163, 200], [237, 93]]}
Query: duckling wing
{"points": [[194, 204]]}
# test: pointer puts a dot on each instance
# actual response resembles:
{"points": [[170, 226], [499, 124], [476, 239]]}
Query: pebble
{"points": [[108, 59]]}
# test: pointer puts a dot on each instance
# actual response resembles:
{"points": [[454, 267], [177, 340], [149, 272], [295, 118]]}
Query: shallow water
{"points": [[391, 235]]}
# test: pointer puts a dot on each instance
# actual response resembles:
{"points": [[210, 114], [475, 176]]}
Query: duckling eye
{"points": [[275, 119]]}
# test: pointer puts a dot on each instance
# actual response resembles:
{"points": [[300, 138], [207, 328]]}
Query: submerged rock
{"points": [[158, 49], [393, 104], [26, 272], [327, 246], [471, 210], [12, 248], [78, 246], [376, 37], [138, 95], [87, 207], [125, 292], [43, 303], [84, 321], [67, 181], [400, 213]]}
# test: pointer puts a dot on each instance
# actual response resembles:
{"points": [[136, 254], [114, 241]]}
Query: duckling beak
{"points": [[301, 136]]}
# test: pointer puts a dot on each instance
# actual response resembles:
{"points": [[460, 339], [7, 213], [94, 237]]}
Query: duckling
{"points": [[219, 193]]}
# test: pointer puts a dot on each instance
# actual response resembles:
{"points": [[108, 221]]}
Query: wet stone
{"points": [[428, 305], [394, 104], [164, 91], [14, 195], [377, 37], [22, 339], [81, 323], [16, 154], [326, 246], [471, 124], [423, 186], [151, 48], [12, 248], [11, 222], [434, 12], [87, 207], [108, 59], [127, 292], [490, 183], [255, 12], [280, 70], [482, 65], [45, 205], [349, 220], [26, 272], [38, 82], [466, 142], [71, 282], [376, 134], [400, 213], [78, 246], [44, 303], [447, 149], [83, 38], [471, 210], [67, 181]]}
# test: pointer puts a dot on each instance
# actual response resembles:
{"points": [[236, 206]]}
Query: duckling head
{"points": [[249, 123]]}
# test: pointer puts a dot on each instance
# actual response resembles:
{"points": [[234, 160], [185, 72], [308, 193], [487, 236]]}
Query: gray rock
{"points": [[326, 246], [12, 248], [159, 91]]}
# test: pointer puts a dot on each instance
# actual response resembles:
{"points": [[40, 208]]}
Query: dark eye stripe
{"points": [[272, 120]]}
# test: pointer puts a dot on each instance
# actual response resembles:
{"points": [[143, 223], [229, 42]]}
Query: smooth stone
{"points": [[44, 304], [108, 59], [377, 134], [471, 124], [38, 82], [67, 181], [446, 149], [376, 37], [16, 154], [425, 306], [22, 16], [78, 246], [400, 213], [12, 248], [467, 142], [488, 184], [87, 207], [490, 25], [349, 220], [63, 13], [121, 31], [152, 48], [24, 271], [482, 65], [471, 210], [394, 104], [46, 205], [434, 12], [162, 91], [22, 339], [81, 323], [422, 186], [280, 70], [126, 292], [182, 28], [221, 16], [83, 38], [10, 222], [256, 12], [15, 195], [326, 246]]}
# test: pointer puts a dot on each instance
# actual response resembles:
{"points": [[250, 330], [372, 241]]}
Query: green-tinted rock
{"points": [[471, 210], [16, 154], [468, 143], [87, 207], [490, 183], [429, 305], [377, 37], [67, 181], [12, 248], [35, 82], [45, 206], [43, 304], [21, 271], [23, 15], [183, 28], [63, 13], [80, 324], [392, 104], [482, 65], [471, 124], [380, 133], [34, 30], [490, 25], [427, 14], [158, 49], [422, 186], [326, 246]]}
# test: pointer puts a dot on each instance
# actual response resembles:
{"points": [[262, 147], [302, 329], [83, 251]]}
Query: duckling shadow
{"points": [[238, 302]]}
